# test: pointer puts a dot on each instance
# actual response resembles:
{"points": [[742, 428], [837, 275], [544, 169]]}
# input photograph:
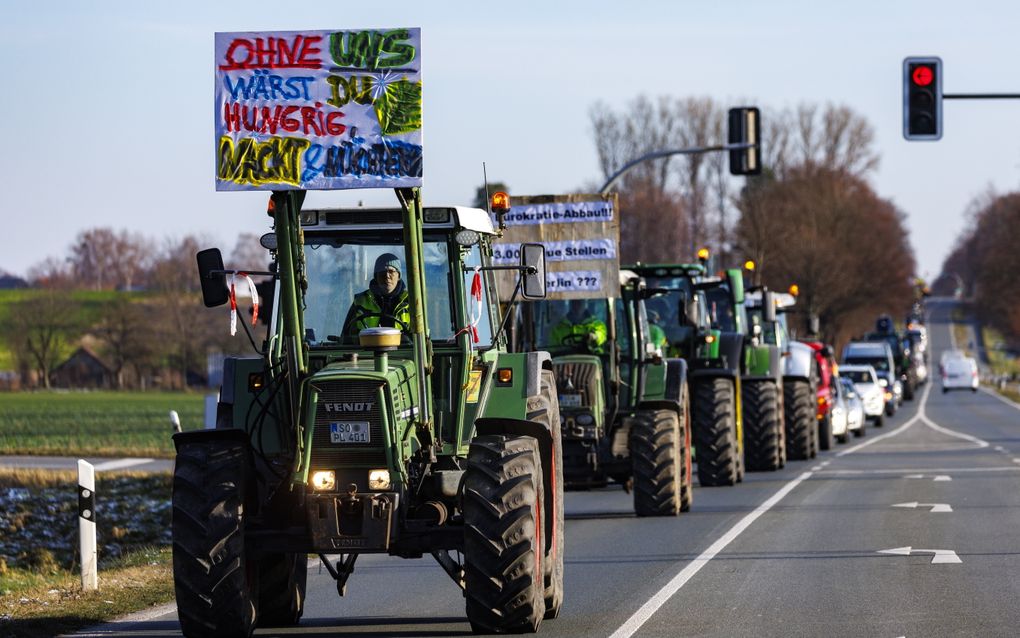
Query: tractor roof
{"points": [[474, 219]]}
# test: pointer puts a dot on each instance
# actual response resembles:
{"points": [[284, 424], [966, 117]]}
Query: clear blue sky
{"points": [[107, 109]]}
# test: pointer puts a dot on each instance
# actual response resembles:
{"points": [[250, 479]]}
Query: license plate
{"points": [[349, 432], [570, 400]]}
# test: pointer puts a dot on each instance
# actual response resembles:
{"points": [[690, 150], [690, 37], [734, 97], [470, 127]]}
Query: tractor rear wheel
{"points": [[656, 450], [504, 581], [282, 583], [715, 432], [800, 419], [215, 581], [545, 409], [762, 426]]}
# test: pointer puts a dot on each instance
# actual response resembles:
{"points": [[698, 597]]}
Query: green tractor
{"points": [[624, 408], [805, 428], [405, 430], [704, 325]]}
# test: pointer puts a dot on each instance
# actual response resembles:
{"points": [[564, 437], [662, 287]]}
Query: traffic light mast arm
{"points": [[660, 154], [981, 96]]}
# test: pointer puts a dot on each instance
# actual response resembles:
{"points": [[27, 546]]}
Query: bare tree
{"points": [[41, 328]]}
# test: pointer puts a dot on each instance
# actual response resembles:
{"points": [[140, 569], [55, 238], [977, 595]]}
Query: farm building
{"points": [[83, 369]]}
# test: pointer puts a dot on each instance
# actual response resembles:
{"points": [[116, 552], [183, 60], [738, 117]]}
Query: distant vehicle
{"points": [[838, 411], [855, 406], [879, 356], [948, 355], [871, 393], [959, 374]]}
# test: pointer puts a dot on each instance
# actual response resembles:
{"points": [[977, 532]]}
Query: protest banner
{"points": [[581, 235], [318, 110]]}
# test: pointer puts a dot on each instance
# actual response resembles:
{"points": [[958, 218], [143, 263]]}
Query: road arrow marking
{"points": [[940, 555], [935, 507]]}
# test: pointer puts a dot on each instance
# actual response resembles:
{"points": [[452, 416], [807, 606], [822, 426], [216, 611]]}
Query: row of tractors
{"points": [[448, 423]]}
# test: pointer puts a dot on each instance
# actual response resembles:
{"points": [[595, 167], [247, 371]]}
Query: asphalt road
{"points": [[800, 552]]}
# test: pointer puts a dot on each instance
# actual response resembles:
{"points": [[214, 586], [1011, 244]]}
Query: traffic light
{"points": [[922, 98], [745, 128]]}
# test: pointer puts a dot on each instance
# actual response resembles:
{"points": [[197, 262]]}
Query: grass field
{"points": [[94, 423]]}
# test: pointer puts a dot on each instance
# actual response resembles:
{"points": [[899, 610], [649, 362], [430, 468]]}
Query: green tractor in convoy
{"points": [[625, 409], [420, 434], [703, 321], [805, 427]]}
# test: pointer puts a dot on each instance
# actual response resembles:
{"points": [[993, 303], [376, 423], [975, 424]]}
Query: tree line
{"points": [[134, 301], [811, 218], [984, 262]]}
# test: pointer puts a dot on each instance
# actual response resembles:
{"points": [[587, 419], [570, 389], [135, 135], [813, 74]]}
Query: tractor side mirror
{"points": [[533, 277], [690, 312], [768, 306], [212, 277]]}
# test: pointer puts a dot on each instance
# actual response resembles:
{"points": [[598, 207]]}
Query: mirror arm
{"points": [[509, 305], [216, 273]]}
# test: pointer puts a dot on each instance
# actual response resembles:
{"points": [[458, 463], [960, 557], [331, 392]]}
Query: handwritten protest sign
{"points": [[318, 109], [581, 235]]}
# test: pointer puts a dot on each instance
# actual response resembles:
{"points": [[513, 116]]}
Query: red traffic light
{"points": [[922, 76]]}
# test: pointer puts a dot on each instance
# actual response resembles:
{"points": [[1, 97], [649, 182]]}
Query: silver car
{"points": [[871, 393], [854, 407]]}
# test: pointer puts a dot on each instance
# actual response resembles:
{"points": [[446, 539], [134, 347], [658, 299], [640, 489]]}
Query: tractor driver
{"points": [[580, 327], [384, 301]]}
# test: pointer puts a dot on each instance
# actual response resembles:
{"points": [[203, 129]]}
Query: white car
{"points": [[960, 374], [854, 406], [866, 383], [947, 356]]}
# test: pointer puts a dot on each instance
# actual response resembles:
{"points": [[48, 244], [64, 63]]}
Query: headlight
{"points": [[585, 419], [883, 383], [378, 480], [323, 480]]}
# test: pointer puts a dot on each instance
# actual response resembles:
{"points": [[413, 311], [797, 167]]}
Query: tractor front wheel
{"points": [[715, 432], [504, 579], [656, 449], [800, 420], [763, 436], [215, 581]]}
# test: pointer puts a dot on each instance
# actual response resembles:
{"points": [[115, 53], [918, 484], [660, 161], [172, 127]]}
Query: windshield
{"points": [[342, 268], [663, 309], [857, 376], [720, 308], [568, 323], [880, 364]]}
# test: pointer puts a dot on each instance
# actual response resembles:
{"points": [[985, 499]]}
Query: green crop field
{"points": [[94, 423]]}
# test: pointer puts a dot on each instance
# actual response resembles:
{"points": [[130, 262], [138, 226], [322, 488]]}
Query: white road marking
{"points": [[816, 468], [999, 468], [943, 477], [999, 448], [998, 396], [960, 435], [940, 555], [121, 464], [641, 616], [935, 507]]}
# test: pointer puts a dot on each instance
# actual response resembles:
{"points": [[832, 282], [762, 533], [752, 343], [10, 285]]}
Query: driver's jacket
{"points": [[368, 302], [565, 329]]}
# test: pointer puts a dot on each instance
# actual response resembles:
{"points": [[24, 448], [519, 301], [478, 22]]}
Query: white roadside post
{"points": [[87, 525], [175, 421]]}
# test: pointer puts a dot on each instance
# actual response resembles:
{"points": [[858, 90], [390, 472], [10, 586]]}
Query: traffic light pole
{"points": [[660, 154]]}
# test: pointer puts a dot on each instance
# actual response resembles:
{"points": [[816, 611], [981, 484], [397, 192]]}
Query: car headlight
{"points": [[323, 480], [883, 383], [585, 419], [378, 480]]}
